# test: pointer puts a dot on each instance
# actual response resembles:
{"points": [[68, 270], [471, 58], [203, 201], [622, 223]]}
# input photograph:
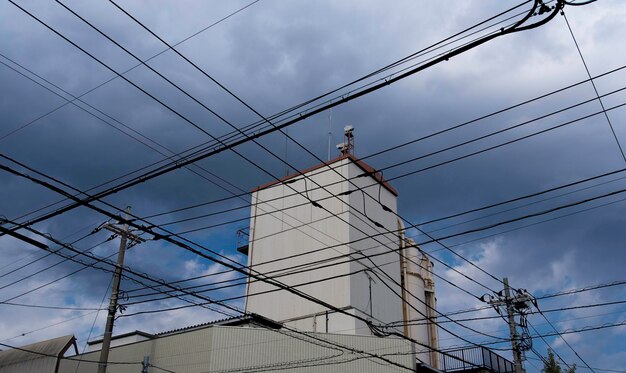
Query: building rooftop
{"points": [[231, 321], [55, 347], [367, 170]]}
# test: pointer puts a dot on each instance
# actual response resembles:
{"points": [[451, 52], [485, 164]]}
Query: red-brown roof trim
{"points": [[364, 166]]}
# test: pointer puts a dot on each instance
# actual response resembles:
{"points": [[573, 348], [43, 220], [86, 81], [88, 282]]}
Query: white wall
{"points": [[298, 230], [382, 248], [273, 236]]}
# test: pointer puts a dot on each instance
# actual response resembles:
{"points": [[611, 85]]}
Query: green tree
{"points": [[550, 365]]}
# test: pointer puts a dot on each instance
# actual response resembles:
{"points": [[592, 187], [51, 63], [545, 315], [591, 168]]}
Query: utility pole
{"points": [[145, 364], [513, 305], [125, 235], [517, 353]]}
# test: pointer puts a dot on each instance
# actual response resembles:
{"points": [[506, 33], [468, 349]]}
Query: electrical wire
{"points": [[126, 126], [50, 307], [41, 286], [157, 74], [128, 270], [67, 358], [595, 90], [2, 219], [539, 222], [54, 264], [193, 158], [519, 23], [560, 309], [209, 110], [548, 344], [49, 326], [92, 265], [19, 128], [165, 237], [564, 340], [407, 143], [581, 290], [598, 369], [188, 248], [279, 275]]}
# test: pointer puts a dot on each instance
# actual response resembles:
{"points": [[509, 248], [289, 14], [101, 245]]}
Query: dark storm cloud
{"points": [[274, 55]]}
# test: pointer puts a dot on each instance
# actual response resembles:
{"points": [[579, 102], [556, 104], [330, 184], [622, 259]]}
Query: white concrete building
{"points": [[332, 231], [312, 232]]}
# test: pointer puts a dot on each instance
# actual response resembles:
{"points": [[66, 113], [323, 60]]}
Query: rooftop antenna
{"points": [[286, 151], [347, 147], [330, 127]]}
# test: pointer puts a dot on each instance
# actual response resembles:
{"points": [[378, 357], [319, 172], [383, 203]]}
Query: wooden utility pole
{"points": [[125, 235]]}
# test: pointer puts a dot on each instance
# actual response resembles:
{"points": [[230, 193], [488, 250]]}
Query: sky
{"points": [[274, 55]]}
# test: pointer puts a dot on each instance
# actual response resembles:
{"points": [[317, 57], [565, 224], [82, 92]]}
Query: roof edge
{"points": [[369, 170], [136, 332]]}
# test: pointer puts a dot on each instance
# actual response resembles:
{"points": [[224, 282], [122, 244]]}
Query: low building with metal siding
{"points": [[41, 357], [251, 349]]}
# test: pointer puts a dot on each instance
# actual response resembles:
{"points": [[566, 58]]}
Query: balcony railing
{"points": [[474, 358]]}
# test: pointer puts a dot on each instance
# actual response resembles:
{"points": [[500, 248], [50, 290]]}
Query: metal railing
{"points": [[474, 358]]}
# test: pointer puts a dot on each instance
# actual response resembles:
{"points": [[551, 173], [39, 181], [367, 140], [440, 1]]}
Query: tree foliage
{"points": [[550, 365]]}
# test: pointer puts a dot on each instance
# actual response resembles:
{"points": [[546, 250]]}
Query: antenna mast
{"points": [[330, 127], [347, 146]]}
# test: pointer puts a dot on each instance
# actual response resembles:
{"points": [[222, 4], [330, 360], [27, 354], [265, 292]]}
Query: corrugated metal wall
{"points": [[259, 350], [44, 365], [241, 349]]}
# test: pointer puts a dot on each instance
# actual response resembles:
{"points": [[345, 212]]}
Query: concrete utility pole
{"points": [[145, 364], [508, 302], [108, 330], [517, 353]]}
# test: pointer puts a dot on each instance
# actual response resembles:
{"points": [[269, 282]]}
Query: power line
{"points": [[560, 309], [193, 250], [130, 69], [599, 369], [581, 290], [43, 256], [411, 141], [50, 307], [344, 262], [547, 344], [595, 90], [461, 233], [519, 23], [49, 326], [126, 221], [175, 112], [64, 357], [539, 222], [198, 156], [442, 163], [201, 168], [92, 265], [38, 259], [564, 340], [54, 264], [402, 176], [128, 270], [220, 117]]}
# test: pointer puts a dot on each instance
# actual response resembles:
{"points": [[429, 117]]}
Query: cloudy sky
{"points": [[277, 54]]}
